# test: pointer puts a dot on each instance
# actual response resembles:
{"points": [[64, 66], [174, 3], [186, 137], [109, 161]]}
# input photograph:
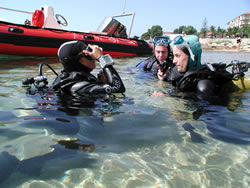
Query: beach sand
{"points": [[225, 44], [222, 44]]}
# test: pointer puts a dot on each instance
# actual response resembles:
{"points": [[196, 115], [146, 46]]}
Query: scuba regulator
{"points": [[39, 81]]}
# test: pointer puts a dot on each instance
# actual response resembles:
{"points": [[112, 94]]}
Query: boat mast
{"points": [[124, 7]]}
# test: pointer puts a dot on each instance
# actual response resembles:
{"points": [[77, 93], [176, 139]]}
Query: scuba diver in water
{"points": [[213, 83], [192, 79], [75, 87], [78, 61], [161, 61]]}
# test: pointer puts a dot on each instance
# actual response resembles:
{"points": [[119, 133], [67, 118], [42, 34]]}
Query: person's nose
{"points": [[174, 60]]}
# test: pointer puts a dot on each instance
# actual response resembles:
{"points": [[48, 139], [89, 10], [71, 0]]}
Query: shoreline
{"points": [[225, 44], [226, 49], [222, 44]]}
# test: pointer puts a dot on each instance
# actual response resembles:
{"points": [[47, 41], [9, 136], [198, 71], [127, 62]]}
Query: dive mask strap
{"points": [[185, 43], [179, 40]]}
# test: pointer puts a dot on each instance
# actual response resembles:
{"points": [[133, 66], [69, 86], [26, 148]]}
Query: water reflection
{"points": [[56, 163], [216, 119], [13, 62], [224, 56], [215, 114]]}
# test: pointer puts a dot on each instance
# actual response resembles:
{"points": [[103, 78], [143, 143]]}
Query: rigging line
{"points": [[16, 10], [124, 7]]}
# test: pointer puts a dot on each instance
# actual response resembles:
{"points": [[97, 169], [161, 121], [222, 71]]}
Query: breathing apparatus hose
{"points": [[40, 78], [40, 72]]}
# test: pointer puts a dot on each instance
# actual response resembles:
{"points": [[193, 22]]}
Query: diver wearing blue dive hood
{"points": [[161, 59], [189, 75]]}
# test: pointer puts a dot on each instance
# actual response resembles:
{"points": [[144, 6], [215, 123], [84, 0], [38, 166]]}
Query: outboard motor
{"points": [[112, 27]]}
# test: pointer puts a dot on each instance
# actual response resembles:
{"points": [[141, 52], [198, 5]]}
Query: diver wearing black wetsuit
{"points": [[76, 78], [76, 87], [208, 80]]}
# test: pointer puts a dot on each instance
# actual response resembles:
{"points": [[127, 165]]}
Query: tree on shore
{"points": [[221, 32], [189, 30], [245, 31], [155, 30], [213, 31], [145, 36], [204, 28], [179, 30], [236, 31]]}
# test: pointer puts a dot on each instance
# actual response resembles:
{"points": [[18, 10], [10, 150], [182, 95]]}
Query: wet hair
{"points": [[183, 48]]}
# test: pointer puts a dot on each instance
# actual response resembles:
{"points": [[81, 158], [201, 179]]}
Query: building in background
{"points": [[240, 21]]}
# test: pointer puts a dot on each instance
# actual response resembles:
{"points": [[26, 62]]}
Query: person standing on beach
{"points": [[238, 41]]}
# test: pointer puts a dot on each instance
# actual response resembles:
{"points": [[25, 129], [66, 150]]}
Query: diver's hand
{"points": [[162, 75], [158, 94], [96, 52]]}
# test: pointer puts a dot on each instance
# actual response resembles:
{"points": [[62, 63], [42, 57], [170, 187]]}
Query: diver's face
{"points": [[161, 53], [88, 63], [180, 59]]}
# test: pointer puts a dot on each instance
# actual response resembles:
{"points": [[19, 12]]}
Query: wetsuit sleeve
{"points": [[113, 79], [140, 65], [114, 84], [147, 64]]}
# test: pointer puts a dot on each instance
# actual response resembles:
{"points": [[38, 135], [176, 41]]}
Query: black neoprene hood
{"points": [[67, 54]]}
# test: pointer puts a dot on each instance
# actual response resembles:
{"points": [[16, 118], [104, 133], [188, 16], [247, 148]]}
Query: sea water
{"points": [[131, 140]]}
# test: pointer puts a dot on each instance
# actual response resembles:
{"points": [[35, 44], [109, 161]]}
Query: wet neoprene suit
{"points": [[151, 64], [82, 83], [203, 80]]}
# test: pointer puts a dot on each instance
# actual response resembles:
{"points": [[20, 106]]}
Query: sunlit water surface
{"points": [[134, 140]]}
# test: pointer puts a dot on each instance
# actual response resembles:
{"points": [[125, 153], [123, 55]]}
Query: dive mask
{"points": [[179, 40], [161, 40]]}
